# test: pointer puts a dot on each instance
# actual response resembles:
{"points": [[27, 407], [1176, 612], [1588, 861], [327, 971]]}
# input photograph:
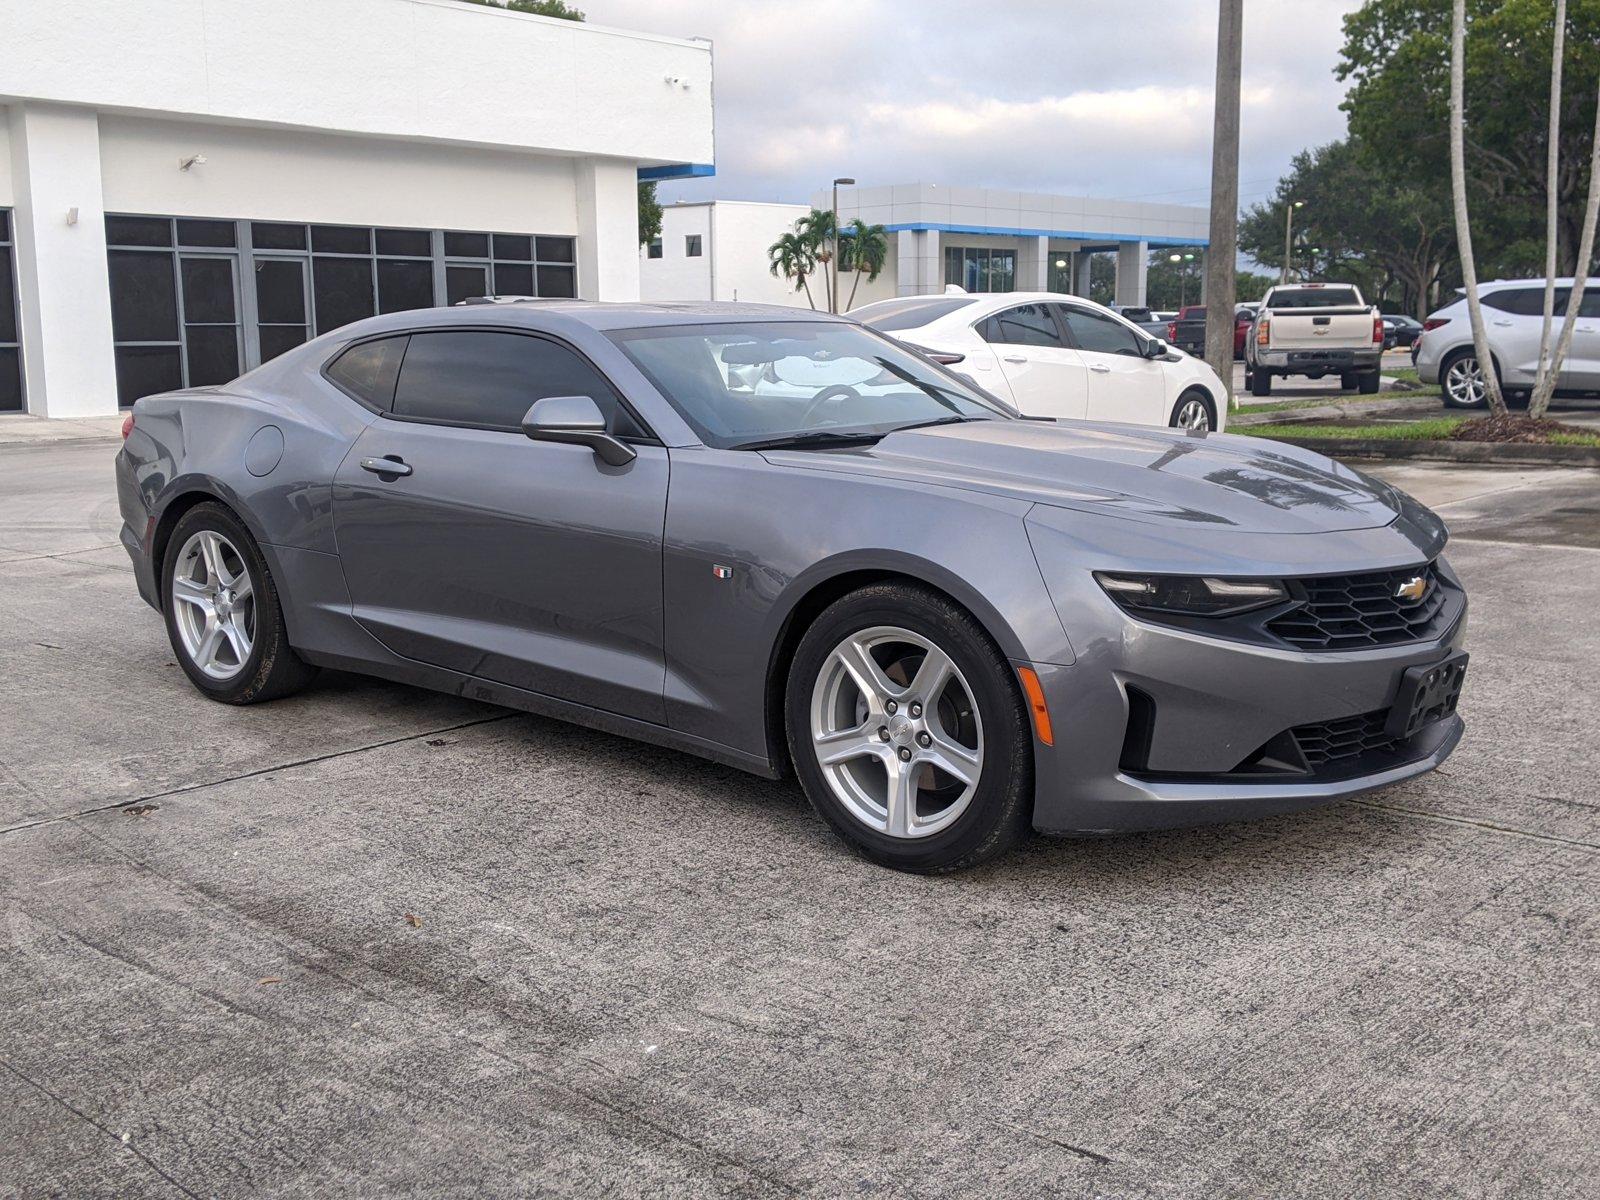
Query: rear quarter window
{"points": [[368, 370]]}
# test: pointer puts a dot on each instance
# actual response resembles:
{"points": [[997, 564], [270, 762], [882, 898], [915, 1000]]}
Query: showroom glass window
{"points": [[980, 269], [507, 264], [10, 338], [174, 303]]}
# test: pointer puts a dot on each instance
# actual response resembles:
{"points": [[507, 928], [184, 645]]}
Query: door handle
{"points": [[387, 465], [1100, 369], [1502, 322], [1015, 358]]}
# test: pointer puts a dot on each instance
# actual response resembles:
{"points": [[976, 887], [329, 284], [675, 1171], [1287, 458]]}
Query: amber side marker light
{"points": [[1041, 714]]}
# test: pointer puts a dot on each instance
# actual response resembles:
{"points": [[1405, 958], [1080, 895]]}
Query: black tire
{"points": [[1001, 805], [1347, 381], [272, 669], [1191, 396], [1369, 381], [1260, 383]]}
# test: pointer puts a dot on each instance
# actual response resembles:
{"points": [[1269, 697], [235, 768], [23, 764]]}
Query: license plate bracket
{"points": [[1427, 694]]}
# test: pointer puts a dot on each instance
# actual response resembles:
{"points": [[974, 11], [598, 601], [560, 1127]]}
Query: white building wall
{"points": [[281, 175], [7, 193], [674, 276], [741, 235], [422, 70]]}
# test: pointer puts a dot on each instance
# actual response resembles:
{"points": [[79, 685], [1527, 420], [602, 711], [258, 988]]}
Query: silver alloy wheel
{"points": [[896, 731], [1464, 382], [1192, 414], [214, 604]]}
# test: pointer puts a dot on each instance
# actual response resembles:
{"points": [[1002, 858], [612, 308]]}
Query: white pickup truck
{"points": [[1314, 329]]}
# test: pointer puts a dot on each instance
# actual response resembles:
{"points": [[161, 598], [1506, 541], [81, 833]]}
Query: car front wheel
{"points": [[908, 732], [1193, 411], [223, 616]]}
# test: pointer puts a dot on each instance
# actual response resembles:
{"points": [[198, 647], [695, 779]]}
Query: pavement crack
{"points": [[1091, 1155], [88, 1120], [1473, 823], [113, 805]]}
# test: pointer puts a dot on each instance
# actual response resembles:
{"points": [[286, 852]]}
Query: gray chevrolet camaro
{"points": [[785, 542]]}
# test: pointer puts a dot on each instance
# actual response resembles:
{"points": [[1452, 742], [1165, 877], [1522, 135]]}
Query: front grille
{"points": [[1348, 612], [1347, 738]]}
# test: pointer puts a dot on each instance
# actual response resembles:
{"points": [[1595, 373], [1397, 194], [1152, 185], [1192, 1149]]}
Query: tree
{"points": [[1458, 193], [649, 214], [1362, 222], [1251, 286], [793, 257], [1552, 184], [538, 8], [863, 248], [819, 230], [1396, 58]]}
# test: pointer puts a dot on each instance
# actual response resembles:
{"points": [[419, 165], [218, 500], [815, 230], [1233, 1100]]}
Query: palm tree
{"points": [[869, 250], [1458, 189], [821, 234], [792, 257]]}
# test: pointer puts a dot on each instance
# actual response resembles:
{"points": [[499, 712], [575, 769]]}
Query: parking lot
{"points": [[376, 939]]}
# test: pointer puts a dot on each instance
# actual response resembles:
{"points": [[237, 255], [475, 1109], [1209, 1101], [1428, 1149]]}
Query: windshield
{"points": [[1334, 297], [770, 381]]}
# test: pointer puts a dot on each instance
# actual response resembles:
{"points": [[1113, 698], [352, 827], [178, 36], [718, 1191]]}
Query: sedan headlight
{"points": [[1191, 595]]}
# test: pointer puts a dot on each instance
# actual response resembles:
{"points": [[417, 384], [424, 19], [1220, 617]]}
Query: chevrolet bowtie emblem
{"points": [[1412, 590]]}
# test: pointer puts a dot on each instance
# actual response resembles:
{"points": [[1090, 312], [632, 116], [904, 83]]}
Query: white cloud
{"points": [[1067, 95]]}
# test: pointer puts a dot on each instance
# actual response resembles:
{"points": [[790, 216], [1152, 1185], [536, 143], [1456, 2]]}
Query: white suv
{"points": [[1513, 318]]}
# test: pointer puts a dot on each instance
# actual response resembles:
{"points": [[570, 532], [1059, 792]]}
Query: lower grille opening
{"points": [[1335, 743], [1141, 729]]}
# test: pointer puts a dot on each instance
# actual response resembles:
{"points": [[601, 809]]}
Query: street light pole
{"points": [[833, 289], [1288, 232]]}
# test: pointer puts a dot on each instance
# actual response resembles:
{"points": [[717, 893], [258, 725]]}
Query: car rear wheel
{"points": [[223, 616], [1463, 382], [1260, 383], [1347, 381], [1369, 382], [1193, 411], [908, 732]]}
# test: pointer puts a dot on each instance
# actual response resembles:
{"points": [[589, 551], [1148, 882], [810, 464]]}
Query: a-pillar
{"points": [[59, 228], [1133, 267], [608, 229]]}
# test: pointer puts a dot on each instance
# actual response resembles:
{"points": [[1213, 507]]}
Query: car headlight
{"points": [[1191, 595]]}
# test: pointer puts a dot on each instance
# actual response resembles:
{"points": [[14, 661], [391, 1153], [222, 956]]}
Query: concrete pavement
{"points": [[629, 972]]}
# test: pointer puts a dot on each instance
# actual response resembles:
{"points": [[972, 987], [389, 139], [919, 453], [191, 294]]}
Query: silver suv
{"points": [[1513, 317]]}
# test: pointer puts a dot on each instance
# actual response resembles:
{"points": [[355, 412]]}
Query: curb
{"points": [[1517, 453], [1336, 412]]}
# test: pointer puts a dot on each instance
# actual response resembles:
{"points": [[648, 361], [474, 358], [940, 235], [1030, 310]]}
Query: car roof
{"points": [[554, 314]]}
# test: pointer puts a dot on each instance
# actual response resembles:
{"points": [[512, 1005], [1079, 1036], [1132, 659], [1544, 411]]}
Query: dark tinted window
{"points": [[205, 233], [404, 284], [207, 291], [342, 288], [513, 246], [1334, 297], [557, 281], [213, 354], [463, 281], [654, 250], [8, 302], [907, 314], [513, 279], [489, 380], [1025, 325], [1097, 333], [369, 370], [466, 245], [275, 339], [555, 249], [341, 239], [1525, 301], [280, 291], [691, 245], [1589, 305], [145, 370], [10, 379], [268, 236], [138, 231], [144, 297], [415, 243]]}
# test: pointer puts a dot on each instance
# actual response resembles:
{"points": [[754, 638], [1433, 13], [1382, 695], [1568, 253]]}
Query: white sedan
{"points": [[1053, 355]]}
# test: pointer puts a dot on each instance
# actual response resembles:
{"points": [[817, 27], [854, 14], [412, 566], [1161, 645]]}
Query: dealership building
{"points": [[189, 187], [981, 239]]}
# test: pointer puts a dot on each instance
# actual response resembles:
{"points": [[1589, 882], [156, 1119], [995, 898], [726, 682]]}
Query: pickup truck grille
{"points": [[1350, 612]]}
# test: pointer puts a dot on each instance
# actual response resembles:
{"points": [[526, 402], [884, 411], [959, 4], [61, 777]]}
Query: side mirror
{"points": [[1156, 348], [576, 421]]}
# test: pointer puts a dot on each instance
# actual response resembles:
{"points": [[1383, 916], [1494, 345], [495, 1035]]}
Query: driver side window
{"points": [[489, 380], [1099, 334]]}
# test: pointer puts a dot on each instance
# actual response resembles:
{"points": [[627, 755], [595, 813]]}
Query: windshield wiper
{"points": [[817, 437], [936, 421]]}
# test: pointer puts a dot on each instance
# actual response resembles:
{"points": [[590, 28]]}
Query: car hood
{"points": [[1152, 475]]}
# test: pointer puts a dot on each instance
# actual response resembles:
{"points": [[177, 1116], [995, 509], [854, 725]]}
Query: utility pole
{"points": [[1222, 257], [1288, 231]]}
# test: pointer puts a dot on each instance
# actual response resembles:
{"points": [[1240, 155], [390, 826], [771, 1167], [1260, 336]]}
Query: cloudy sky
{"points": [[1086, 97]]}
